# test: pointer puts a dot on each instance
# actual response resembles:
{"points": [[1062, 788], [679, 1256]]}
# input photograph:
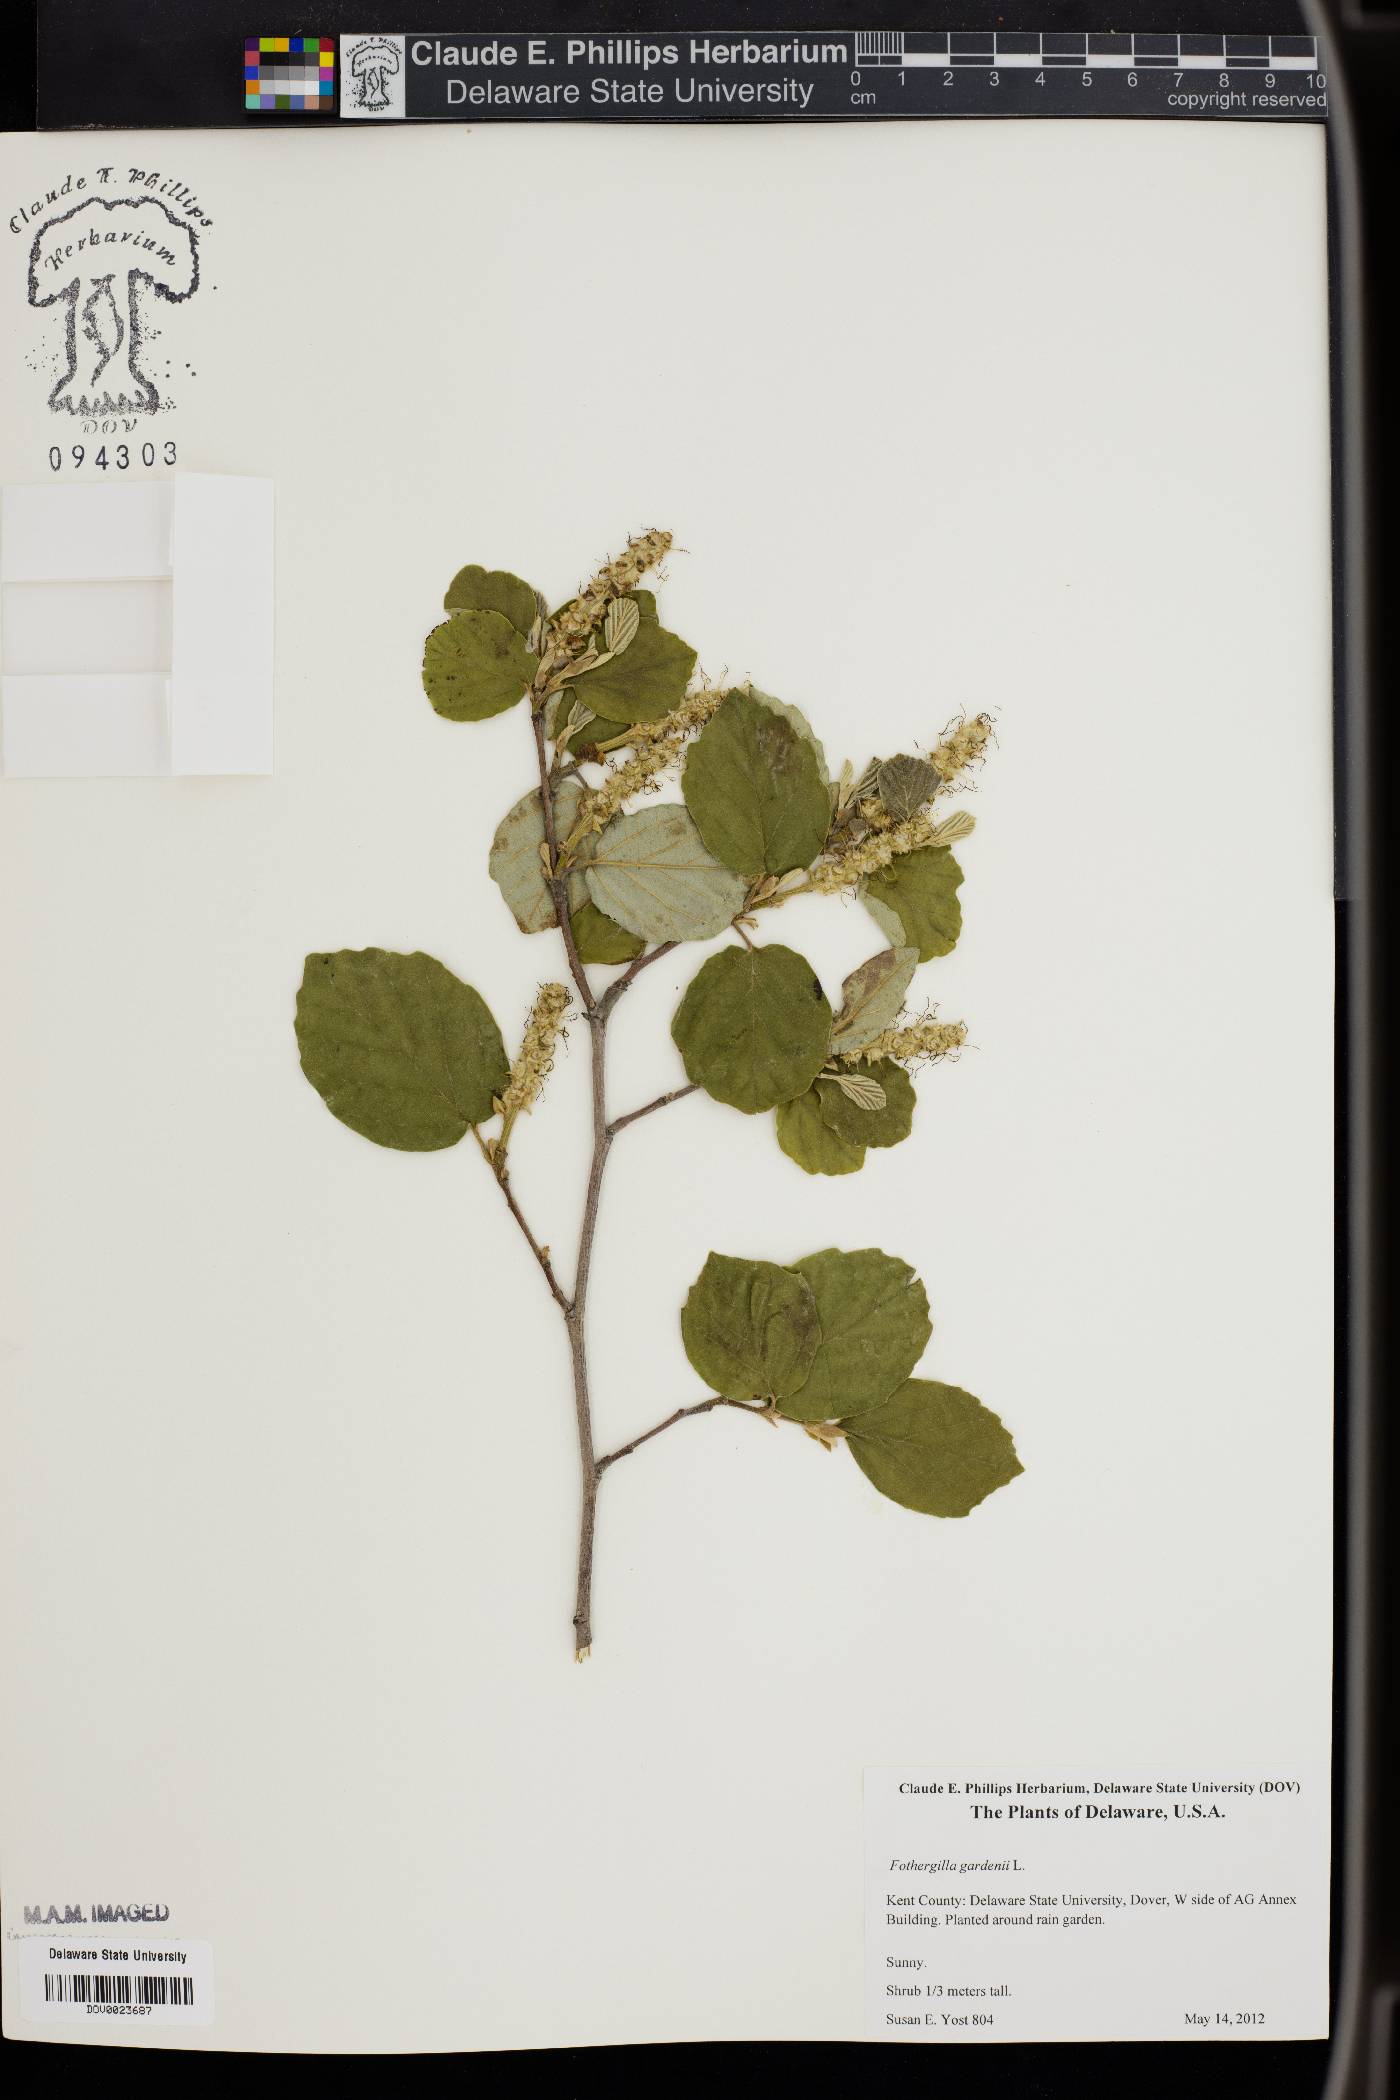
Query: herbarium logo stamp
{"points": [[372, 76], [107, 251]]}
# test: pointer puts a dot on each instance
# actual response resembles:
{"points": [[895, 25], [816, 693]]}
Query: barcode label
{"points": [[103, 1987], [125, 1983]]}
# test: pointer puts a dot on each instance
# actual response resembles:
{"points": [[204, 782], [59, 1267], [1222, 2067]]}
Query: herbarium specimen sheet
{"points": [[905, 1019]]}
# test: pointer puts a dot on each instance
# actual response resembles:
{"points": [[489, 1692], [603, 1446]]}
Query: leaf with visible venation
{"points": [[871, 998], [888, 1124], [579, 719], [754, 1027], [476, 665], [620, 626], [921, 891], [652, 872], [750, 1328], [475, 589], [648, 679], [600, 939], [859, 1088], [755, 789], [398, 1048], [875, 1327], [809, 1140], [905, 784], [516, 866], [863, 787], [933, 1448]]}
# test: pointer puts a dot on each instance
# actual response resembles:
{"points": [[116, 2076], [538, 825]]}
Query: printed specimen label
{"points": [[1015, 1905]]}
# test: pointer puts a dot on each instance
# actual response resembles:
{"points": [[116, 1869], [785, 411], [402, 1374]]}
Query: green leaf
{"points": [[755, 789], [475, 665], [933, 1448], [798, 721], [750, 1328], [875, 1327], [905, 784], [648, 679], [921, 889], [398, 1047], [652, 872], [475, 589], [809, 1140], [515, 864], [754, 1027], [889, 1125], [600, 939], [871, 999]]}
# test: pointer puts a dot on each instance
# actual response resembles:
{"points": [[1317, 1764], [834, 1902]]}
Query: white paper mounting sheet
{"points": [[944, 417]]}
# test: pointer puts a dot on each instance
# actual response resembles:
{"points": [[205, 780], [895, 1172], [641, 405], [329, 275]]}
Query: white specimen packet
{"points": [[1024, 417]]}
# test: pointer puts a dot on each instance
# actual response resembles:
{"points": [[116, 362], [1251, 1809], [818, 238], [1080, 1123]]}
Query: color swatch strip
{"points": [[289, 73]]}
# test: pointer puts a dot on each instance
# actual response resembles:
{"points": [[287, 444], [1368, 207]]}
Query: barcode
{"points": [[99, 1987]]}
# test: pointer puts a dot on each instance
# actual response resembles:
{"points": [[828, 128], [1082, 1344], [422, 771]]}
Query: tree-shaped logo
{"points": [[373, 66], [104, 262]]}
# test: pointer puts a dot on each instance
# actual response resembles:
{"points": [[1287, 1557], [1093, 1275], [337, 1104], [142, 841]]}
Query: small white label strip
{"points": [[1016, 1905], [117, 1982]]}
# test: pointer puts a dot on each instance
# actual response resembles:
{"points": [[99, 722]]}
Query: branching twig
{"points": [[635, 1115], [682, 1414], [540, 1253], [631, 974]]}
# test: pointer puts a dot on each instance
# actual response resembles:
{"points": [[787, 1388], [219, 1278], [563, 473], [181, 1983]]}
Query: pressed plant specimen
{"points": [[408, 1055]]}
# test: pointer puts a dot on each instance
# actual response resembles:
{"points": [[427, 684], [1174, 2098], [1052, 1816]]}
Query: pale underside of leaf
{"points": [[620, 627], [872, 998], [652, 873], [888, 920], [515, 861]]}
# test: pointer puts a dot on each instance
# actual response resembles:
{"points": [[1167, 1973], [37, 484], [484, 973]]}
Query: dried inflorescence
{"points": [[879, 848], [575, 625], [960, 747], [535, 1058], [918, 1042], [658, 745]]}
